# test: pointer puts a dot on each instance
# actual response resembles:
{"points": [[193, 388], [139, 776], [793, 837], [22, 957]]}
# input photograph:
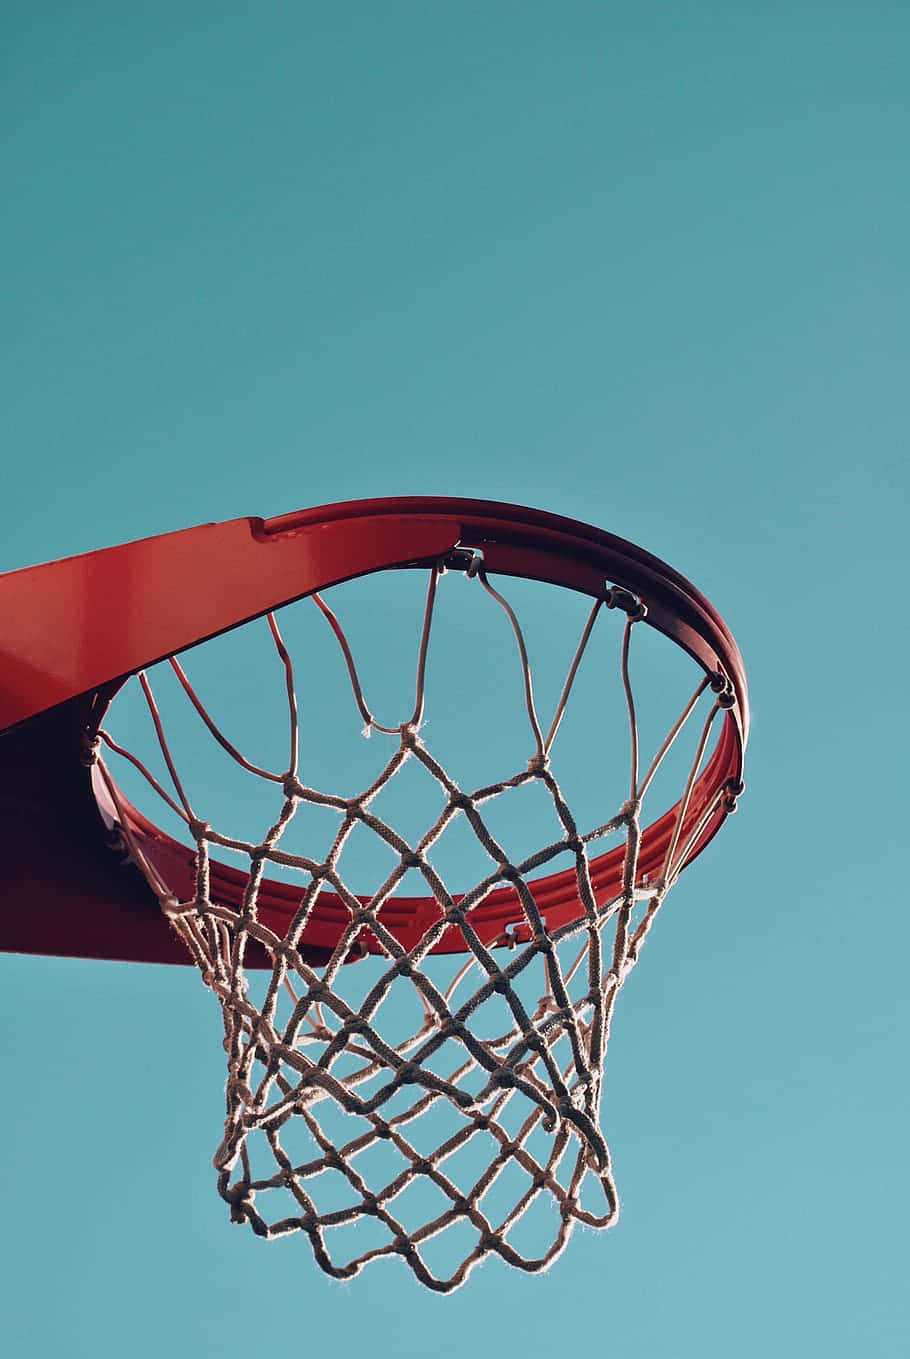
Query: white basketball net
{"points": [[316, 1087]]}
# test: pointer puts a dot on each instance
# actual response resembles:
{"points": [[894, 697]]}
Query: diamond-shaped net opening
{"points": [[412, 1106]]}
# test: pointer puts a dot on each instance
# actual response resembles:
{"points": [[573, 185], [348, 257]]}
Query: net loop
{"points": [[91, 746], [618, 598]]}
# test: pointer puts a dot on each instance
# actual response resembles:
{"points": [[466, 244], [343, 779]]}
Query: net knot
{"points": [[409, 738], [240, 1091], [539, 763], [290, 785], [240, 1200], [198, 829], [629, 810], [566, 1107]]}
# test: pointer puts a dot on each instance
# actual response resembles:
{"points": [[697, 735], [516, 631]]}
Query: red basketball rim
{"points": [[514, 541]]}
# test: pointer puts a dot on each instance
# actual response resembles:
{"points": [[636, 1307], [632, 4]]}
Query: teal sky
{"points": [[643, 265]]}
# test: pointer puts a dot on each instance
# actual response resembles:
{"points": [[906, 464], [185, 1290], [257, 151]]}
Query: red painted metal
{"points": [[75, 629]]}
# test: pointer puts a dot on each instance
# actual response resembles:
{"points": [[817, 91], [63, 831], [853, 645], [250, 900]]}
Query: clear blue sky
{"points": [[644, 265]]}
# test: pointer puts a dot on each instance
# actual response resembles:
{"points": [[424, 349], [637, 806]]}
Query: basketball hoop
{"points": [[499, 1077]]}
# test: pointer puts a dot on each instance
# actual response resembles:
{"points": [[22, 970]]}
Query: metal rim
{"points": [[535, 545]]}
